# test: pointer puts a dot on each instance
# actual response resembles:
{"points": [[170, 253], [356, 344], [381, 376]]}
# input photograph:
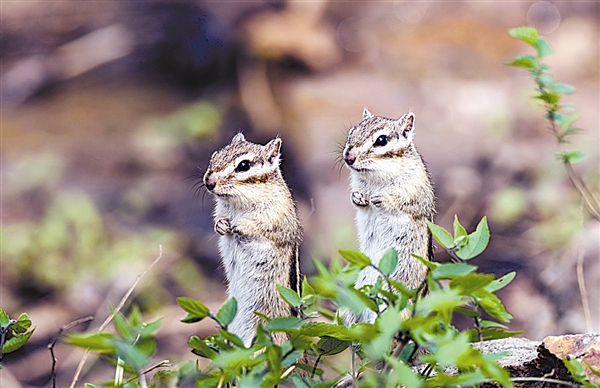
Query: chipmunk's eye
{"points": [[381, 141], [243, 166]]}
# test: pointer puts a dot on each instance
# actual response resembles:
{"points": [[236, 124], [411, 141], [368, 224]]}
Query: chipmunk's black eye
{"points": [[243, 166], [381, 141]]}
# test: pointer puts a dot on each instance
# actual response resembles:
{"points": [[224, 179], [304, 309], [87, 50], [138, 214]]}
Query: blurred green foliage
{"points": [[72, 245], [14, 333]]}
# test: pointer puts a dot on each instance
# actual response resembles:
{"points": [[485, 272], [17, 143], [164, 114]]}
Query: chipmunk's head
{"points": [[378, 143], [237, 169]]}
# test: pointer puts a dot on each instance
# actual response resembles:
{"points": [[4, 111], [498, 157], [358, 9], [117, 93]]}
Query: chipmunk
{"points": [[260, 231], [393, 196]]}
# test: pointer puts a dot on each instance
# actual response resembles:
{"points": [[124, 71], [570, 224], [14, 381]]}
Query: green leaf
{"points": [[291, 357], [137, 355], [402, 375], [196, 310], [4, 319], [232, 338], [228, 311], [354, 296], [561, 88], [363, 332], [123, 327], [467, 284], [486, 323], [355, 258], [570, 156], [441, 235], [328, 346], [389, 261], [493, 333], [150, 329], [477, 241], [289, 295], [298, 382], [449, 270], [88, 385], [98, 342], [324, 329], [569, 131], [542, 47], [439, 301], [286, 324], [307, 289], [401, 288], [459, 230], [525, 62], [200, 348], [545, 79], [550, 98], [407, 351], [492, 305], [526, 34], [431, 265], [502, 282], [236, 358], [23, 324], [467, 312], [592, 369], [135, 317], [15, 343], [563, 120], [570, 107]]}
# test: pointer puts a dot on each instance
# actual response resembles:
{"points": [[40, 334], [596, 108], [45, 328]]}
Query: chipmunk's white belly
{"points": [[245, 263], [377, 232]]}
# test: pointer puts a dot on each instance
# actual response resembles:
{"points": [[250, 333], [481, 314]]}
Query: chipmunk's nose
{"points": [[210, 182], [349, 157]]}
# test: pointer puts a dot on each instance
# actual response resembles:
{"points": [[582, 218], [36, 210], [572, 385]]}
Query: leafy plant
{"points": [[14, 333], [385, 351], [561, 123], [129, 349]]}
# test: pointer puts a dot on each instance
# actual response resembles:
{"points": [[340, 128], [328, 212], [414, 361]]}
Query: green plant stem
{"points": [[589, 196], [3, 335]]}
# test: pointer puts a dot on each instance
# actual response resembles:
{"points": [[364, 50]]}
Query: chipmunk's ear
{"points": [[273, 150], [238, 138], [406, 125], [367, 114]]}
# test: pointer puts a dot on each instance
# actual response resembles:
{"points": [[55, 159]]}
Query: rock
{"points": [[528, 358], [583, 347]]}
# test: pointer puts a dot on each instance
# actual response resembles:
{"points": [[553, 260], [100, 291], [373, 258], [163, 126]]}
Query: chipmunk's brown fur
{"points": [[393, 196], [260, 230]]}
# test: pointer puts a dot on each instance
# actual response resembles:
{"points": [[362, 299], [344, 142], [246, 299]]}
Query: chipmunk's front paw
{"points": [[359, 199], [377, 200], [223, 226]]}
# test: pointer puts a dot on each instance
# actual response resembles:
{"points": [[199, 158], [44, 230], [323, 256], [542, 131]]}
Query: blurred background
{"points": [[110, 111]]}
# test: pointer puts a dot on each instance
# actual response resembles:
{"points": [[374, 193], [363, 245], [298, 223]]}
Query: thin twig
{"points": [[162, 364], [581, 283], [112, 315], [538, 379], [51, 345]]}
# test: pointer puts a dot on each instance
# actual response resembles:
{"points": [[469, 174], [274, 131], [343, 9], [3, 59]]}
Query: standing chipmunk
{"points": [[393, 196], [260, 231]]}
